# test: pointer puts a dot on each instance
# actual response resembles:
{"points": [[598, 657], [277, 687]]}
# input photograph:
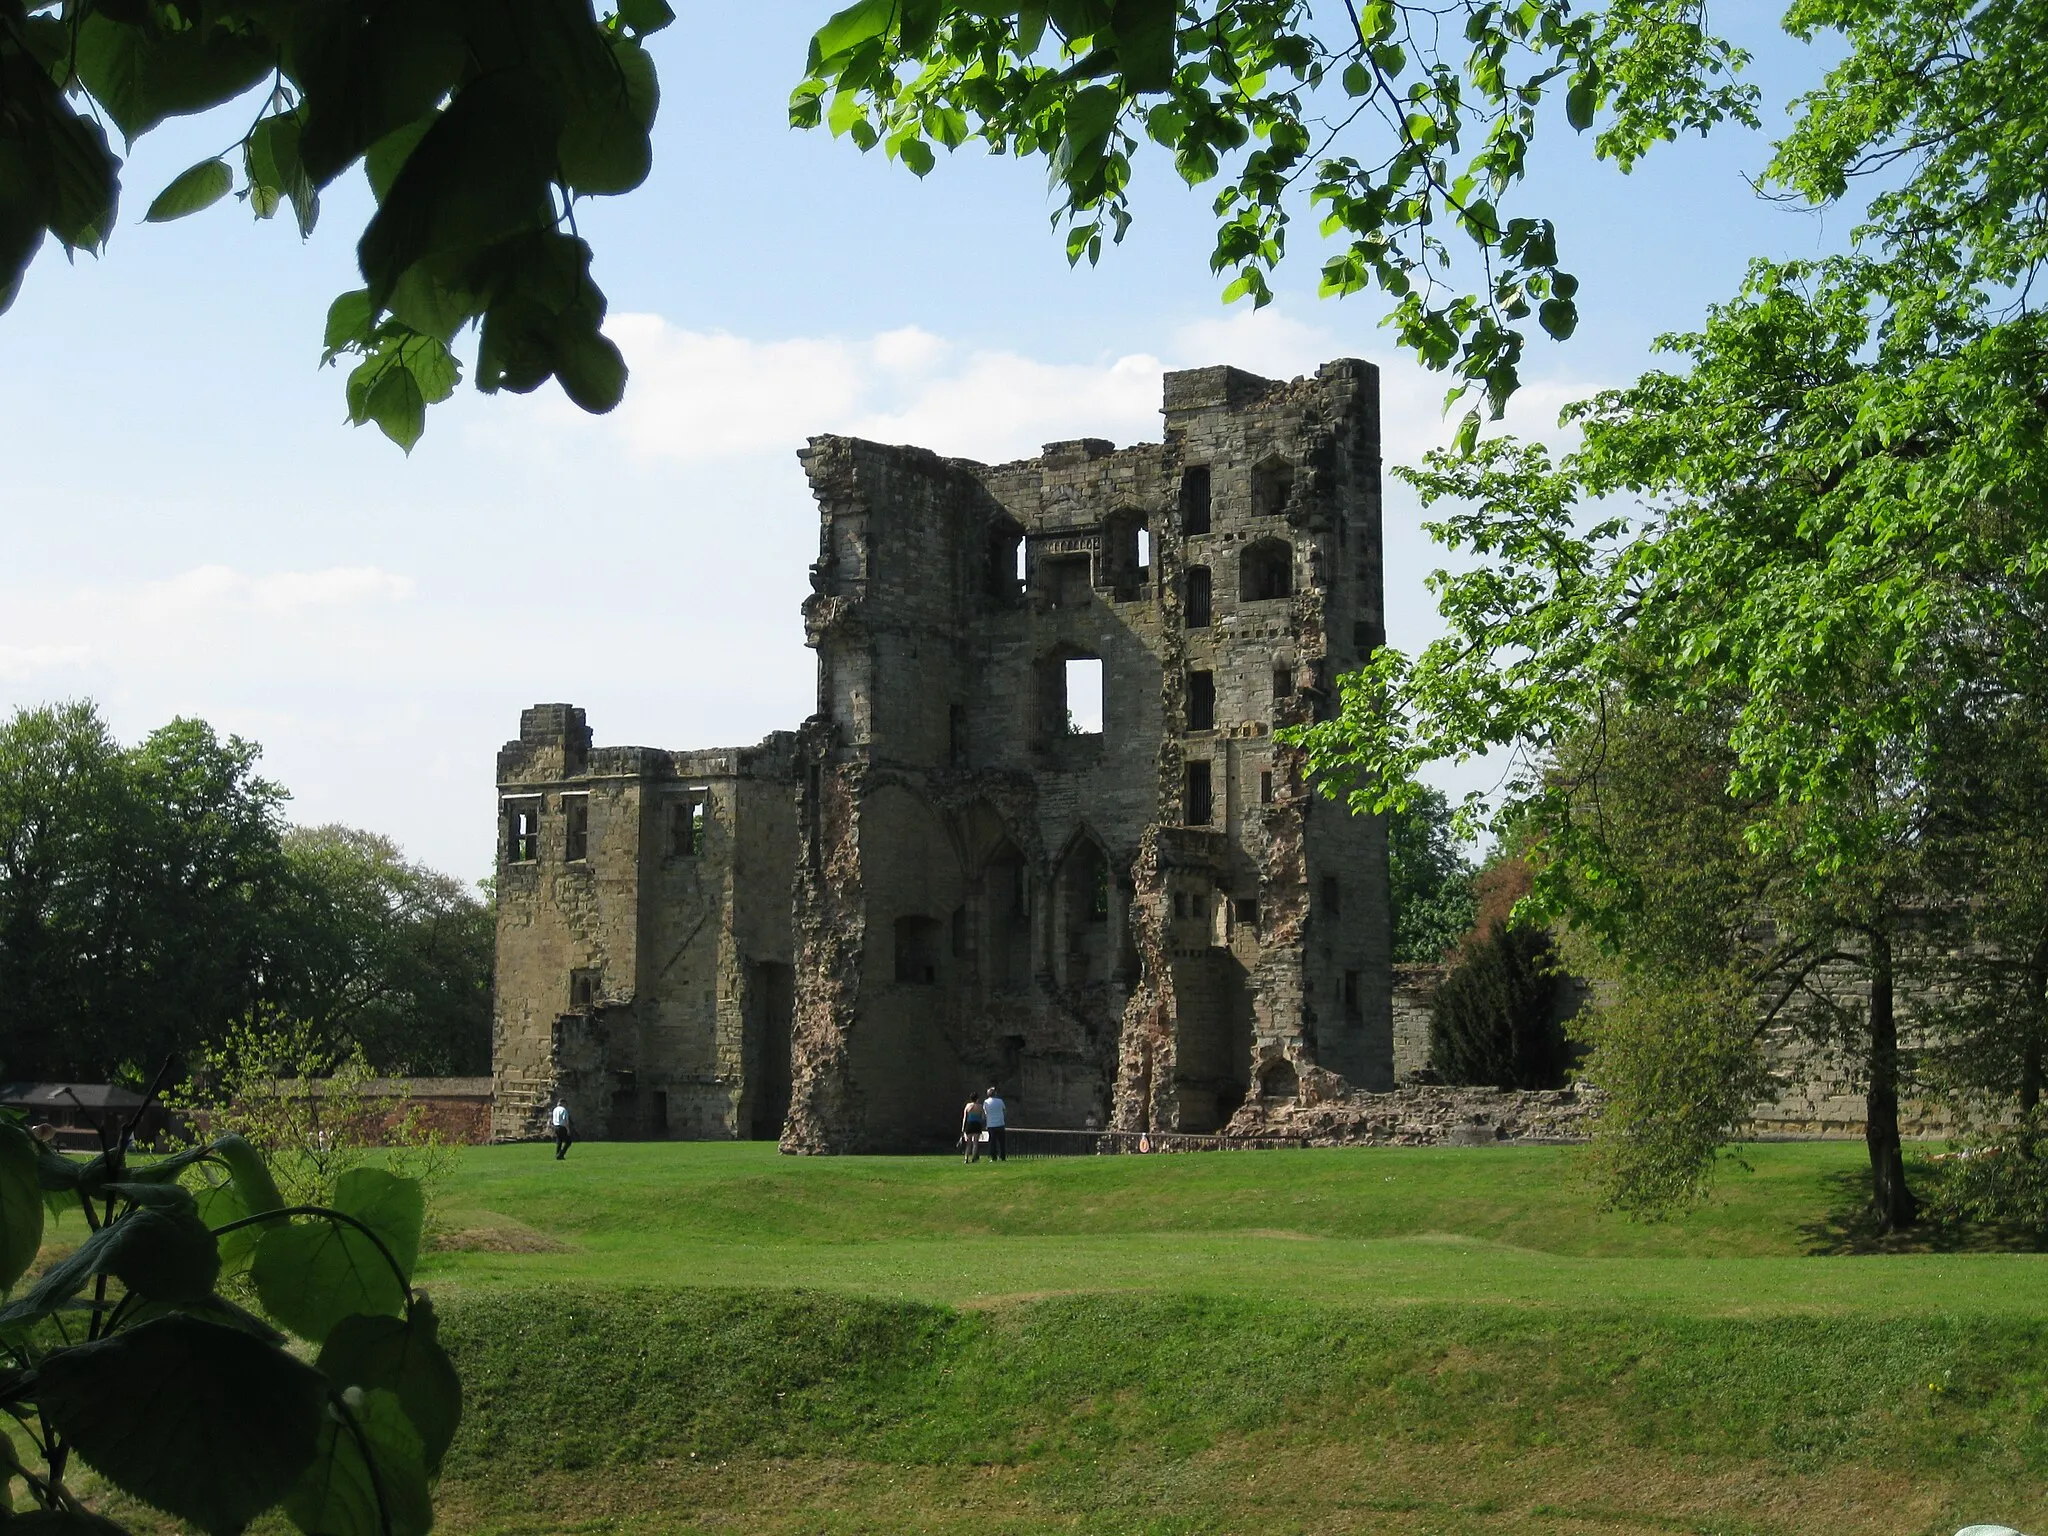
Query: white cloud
{"points": [[221, 590], [21, 661]]}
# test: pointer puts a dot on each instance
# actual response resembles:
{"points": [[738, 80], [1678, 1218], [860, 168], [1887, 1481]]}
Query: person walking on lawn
{"points": [[972, 1123], [558, 1120], [998, 1116]]}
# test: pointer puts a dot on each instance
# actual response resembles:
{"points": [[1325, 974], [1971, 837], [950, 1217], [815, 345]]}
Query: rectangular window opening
{"points": [[1351, 1008], [1084, 695], [687, 816], [1200, 804], [584, 987], [1144, 553], [1198, 591], [522, 831], [956, 735], [575, 828], [1201, 701], [1247, 912], [1266, 787], [1180, 904], [1333, 896], [1283, 682]]}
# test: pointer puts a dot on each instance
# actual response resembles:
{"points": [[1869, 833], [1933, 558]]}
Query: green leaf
{"points": [[853, 26], [143, 73], [591, 370], [275, 171], [164, 1255], [404, 1357], [480, 174], [917, 155], [387, 157], [21, 1205], [63, 1522], [314, 1272], [1144, 42], [155, 1196], [201, 187], [397, 406], [1467, 438], [84, 181], [344, 1493], [604, 148], [367, 71], [220, 1206], [1578, 104], [1558, 317], [201, 1419], [645, 17], [245, 1165]]}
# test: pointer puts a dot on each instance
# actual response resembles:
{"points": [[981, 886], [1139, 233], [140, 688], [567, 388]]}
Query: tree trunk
{"points": [[2030, 1047], [1892, 1201]]}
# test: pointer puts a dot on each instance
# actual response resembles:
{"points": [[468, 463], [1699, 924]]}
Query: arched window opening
{"points": [[1084, 909]]}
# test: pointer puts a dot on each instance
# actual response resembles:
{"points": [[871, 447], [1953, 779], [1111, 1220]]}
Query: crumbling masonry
{"points": [[1038, 833]]}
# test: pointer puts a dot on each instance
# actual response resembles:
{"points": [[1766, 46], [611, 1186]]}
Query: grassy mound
{"points": [[566, 1379]]}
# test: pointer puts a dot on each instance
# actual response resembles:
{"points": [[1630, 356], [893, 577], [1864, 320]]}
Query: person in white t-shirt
{"points": [[558, 1121], [997, 1114]]}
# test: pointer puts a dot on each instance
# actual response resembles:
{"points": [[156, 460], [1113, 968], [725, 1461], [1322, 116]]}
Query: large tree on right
{"points": [[1819, 538]]}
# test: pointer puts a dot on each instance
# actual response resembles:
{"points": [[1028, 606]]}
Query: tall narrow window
{"points": [[1084, 695], [1200, 804], [1198, 597], [1266, 787], [1351, 1008], [1333, 896], [1201, 701], [575, 828], [1194, 499], [584, 987], [956, 735], [1144, 554], [687, 816], [522, 831], [1283, 681]]}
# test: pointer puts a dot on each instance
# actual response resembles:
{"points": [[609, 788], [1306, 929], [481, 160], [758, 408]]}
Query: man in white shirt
{"points": [[559, 1120], [998, 1126]]}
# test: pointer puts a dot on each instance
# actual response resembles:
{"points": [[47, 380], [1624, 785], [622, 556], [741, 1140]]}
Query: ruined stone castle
{"points": [[1037, 834]]}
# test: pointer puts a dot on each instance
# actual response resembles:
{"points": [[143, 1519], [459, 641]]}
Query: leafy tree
{"points": [[125, 1355], [1429, 879], [65, 806], [151, 898], [391, 955], [1494, 1021], [1411, 127], [139, 891], [308, 1109], [479, 126]]}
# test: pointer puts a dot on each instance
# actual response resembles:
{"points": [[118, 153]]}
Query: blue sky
{"points": [[191, 529]]}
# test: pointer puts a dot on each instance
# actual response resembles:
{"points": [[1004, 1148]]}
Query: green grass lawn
{"points": [[1494, 1225], [696, 1338]]}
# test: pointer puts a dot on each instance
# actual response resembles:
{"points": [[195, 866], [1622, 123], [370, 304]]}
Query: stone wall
{"points": [[1417, 1116], [1138, 923]]}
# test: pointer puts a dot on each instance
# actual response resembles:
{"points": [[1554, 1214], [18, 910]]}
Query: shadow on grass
{"points": [[1849, 1224]]}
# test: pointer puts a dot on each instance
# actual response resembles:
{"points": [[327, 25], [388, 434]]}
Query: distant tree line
{"points": [[153, 897]]}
